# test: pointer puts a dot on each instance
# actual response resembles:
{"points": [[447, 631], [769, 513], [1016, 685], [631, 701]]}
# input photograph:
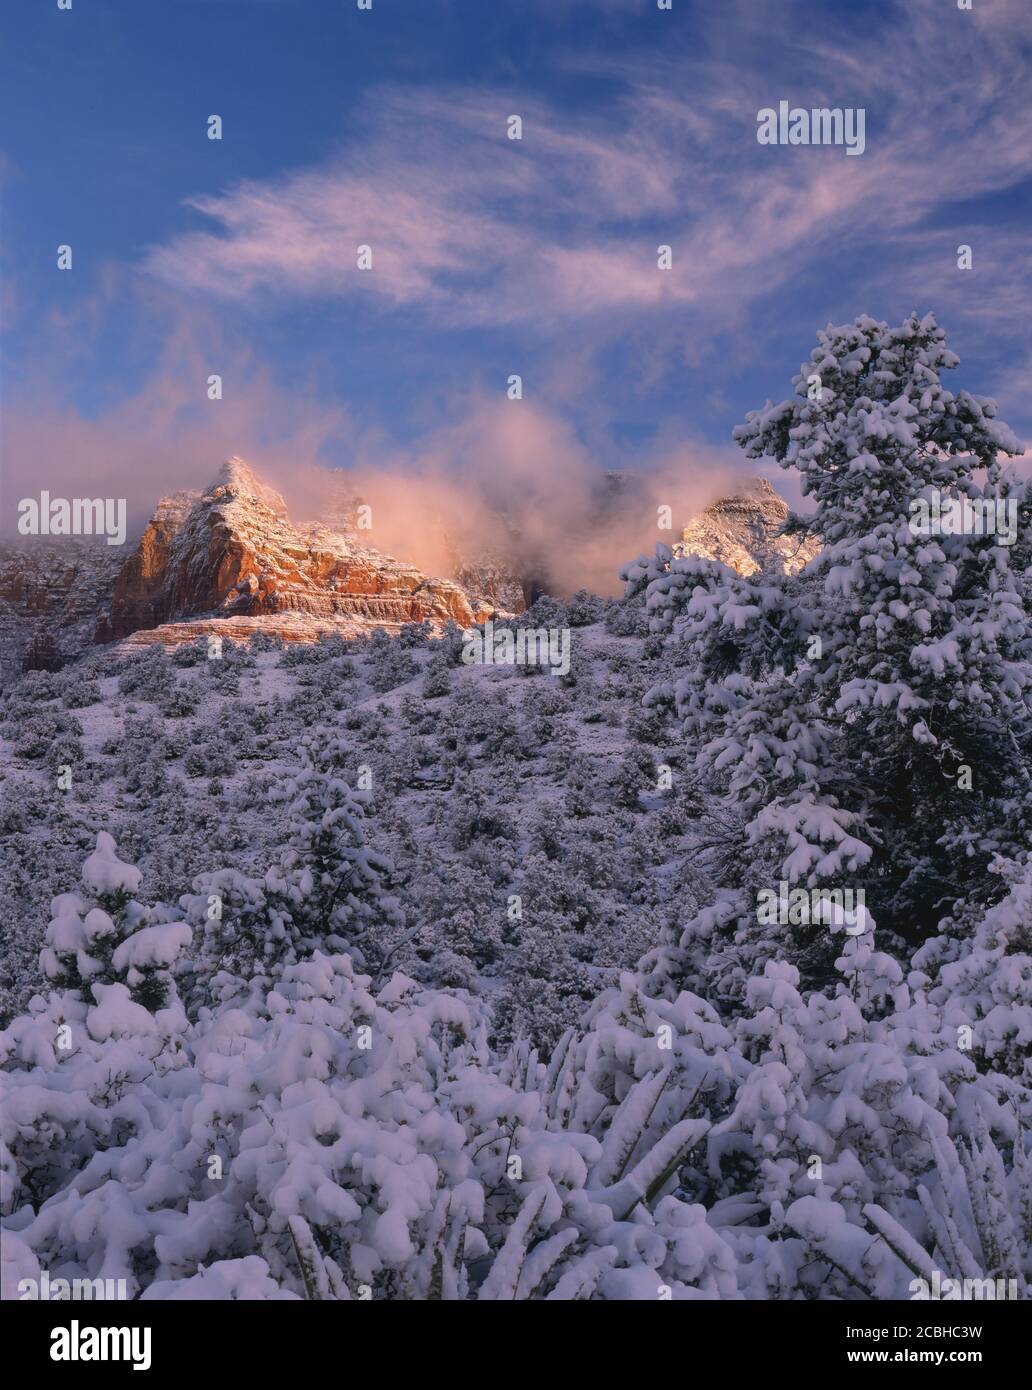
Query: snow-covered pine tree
{"points": [[327, 889], [116, 946], [925, 668], [869, 720]]}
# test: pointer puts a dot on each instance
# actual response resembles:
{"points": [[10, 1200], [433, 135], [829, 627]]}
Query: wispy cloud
{"points": [[564, 225]]}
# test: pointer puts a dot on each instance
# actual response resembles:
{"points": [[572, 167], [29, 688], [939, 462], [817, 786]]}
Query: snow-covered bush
{"points": [[437, 681], [35, 733], [319, 1136], [113, 948], [147, 675], [326, 888]]}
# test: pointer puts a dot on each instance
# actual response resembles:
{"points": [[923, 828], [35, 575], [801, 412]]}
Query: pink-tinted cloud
{"points": [[565, 223], [512, 477], [509, 477]]}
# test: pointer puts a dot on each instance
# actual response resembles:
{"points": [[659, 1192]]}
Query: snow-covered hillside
{"points": [[536, 775]]}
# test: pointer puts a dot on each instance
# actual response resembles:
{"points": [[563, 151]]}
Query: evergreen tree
{"points": [[871, 717]]}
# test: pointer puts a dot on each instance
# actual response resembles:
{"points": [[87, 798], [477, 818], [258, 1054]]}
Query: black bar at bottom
{"points": [[231, 1338]]}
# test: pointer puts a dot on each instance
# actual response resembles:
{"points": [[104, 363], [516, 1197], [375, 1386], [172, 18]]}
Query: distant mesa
{"points": [[743, 531]]}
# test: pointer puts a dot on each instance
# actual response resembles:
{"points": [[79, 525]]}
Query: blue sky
{"points": [[491, 256]]}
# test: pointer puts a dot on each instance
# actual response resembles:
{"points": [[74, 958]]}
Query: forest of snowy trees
{"points": [[350, 971]]}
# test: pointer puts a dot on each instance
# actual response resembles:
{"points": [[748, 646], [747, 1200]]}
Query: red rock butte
{"points": [[232, 556]]}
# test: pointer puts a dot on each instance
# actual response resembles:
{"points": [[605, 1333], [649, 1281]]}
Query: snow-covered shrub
{"points": [[626, 617], [838, 1119], [79, 693], [437, 680], [415, 634], [266, 642], [36, 732], [178, 701], [326, 888], [147, 674], [190, 654], [984, 984], [112, 947], [391, 665]]}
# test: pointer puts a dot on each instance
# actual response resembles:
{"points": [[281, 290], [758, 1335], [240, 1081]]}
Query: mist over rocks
{"points": [[230, 561]]}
